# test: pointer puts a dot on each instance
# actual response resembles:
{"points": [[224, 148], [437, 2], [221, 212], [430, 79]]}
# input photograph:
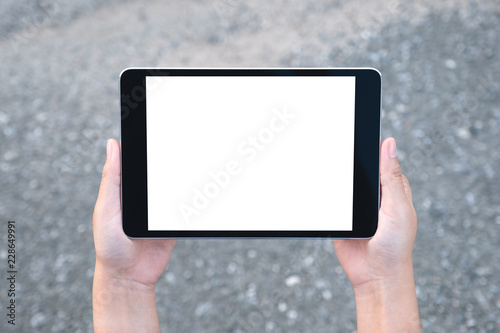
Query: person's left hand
{"points": [[125, 259]]}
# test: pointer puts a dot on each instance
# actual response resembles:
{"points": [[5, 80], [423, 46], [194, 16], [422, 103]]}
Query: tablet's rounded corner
{"points": [[372, 231], [125, 71], [128, 232], [375, 72]]}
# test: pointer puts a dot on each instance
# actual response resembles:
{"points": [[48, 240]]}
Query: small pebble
{"points": [[292, 314], [327, 295], [282, 306], [292, 280], [450, 63]]}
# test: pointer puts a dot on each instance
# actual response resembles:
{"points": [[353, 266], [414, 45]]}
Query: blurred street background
{"points": [[440, 61]]}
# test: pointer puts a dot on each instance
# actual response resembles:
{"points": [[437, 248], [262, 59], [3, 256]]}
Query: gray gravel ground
{"points": [[441, 85]]}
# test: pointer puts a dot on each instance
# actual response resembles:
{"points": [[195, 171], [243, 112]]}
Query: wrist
{"points": [[121, 304], [386, 283], [388, 304], [118, 279]]}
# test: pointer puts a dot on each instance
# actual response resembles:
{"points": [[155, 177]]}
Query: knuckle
{"points": [[396, 171], [106, 171], [406, 182], [109, 173]]}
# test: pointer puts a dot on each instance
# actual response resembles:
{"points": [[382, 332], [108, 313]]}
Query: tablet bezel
{"points": [[366, 197]]}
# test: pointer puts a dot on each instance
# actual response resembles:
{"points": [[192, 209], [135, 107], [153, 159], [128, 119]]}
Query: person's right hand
{"points": [[390, 250], [381, 268]]}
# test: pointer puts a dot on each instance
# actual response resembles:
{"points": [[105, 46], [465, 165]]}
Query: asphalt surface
{"points": [[441, 85]]}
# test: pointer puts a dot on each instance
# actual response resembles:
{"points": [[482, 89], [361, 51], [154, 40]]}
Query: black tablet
{"points": [[259, 153]]}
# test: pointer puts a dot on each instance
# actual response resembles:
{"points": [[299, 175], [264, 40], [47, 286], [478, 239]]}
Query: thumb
{"points": [[391, 179], [108, 202]]}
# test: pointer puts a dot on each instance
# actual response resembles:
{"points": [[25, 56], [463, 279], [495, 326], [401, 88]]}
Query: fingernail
{"points": [[392, 148], [109, 149]]}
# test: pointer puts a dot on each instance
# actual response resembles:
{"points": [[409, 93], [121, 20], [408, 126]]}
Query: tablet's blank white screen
{"points": [[250, 153]]}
